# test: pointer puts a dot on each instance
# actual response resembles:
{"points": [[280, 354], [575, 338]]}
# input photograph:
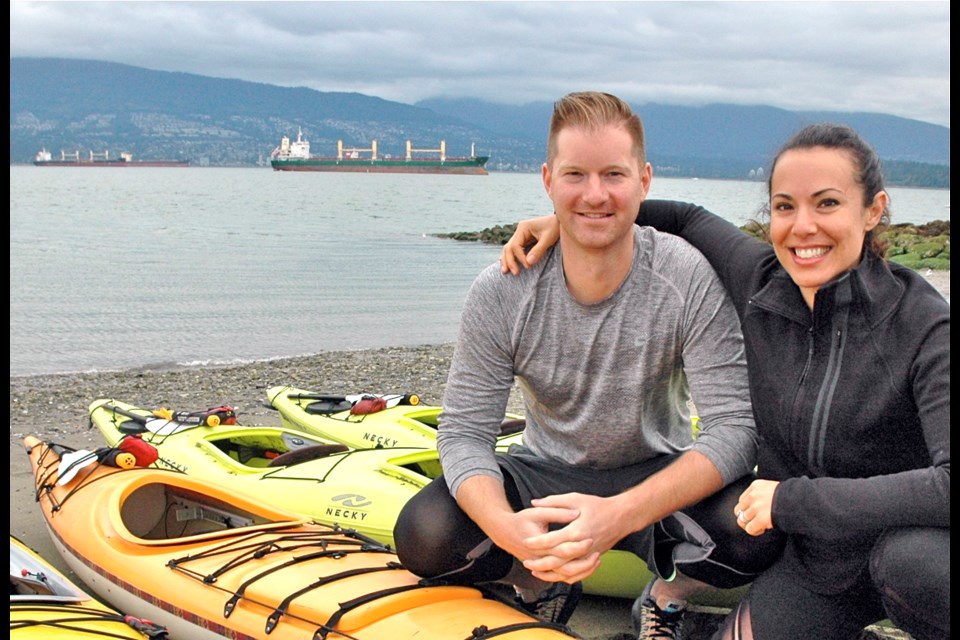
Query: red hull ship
{"points": [[73, 159]]}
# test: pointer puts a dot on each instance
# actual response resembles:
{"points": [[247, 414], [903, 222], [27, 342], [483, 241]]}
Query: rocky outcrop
{"points": [[925, 246]]}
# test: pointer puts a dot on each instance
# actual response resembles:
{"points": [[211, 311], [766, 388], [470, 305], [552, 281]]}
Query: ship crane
{"points": [[75, 156], [354, 152], [99, 156], [442, 151]]}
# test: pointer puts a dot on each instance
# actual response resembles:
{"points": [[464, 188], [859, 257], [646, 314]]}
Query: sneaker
{"points": [[651, 621], [556, 604]]}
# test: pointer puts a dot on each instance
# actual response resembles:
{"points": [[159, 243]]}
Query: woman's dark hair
{"points": [[866, 162]]}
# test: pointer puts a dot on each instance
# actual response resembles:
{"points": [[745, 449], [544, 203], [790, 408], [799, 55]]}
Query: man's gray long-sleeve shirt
{"points": [[605, 385]]}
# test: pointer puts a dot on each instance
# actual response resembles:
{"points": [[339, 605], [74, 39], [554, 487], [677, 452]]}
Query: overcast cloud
{"points": [[882, 57]]}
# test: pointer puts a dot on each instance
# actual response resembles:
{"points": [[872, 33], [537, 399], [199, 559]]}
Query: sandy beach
{"points": [[54, 407]]}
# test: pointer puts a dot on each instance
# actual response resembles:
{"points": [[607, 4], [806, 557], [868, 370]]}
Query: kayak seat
{"points": [[509, 426], [326, 407], [303, 454], [161, 511], [143, 510]]}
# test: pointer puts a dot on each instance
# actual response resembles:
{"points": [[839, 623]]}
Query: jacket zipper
{"points": [[820, 420]]}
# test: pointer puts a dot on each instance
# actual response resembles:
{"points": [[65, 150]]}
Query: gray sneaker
{"points": [[651, 621], [556, 604]]}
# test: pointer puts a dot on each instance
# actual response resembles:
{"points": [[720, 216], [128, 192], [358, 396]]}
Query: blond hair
{"points": [[593, 110]]}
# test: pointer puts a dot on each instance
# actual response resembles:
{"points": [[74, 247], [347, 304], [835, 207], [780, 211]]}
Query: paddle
{"points": [[392, 400], [136, 417], [211, 417], [72, 461], [149, 423], [158, 422]]}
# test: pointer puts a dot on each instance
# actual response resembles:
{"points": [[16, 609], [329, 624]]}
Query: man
{"points": [[608, 337]]}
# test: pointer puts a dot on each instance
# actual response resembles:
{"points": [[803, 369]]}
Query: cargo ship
{"points": [[295, 156], [95, 159]]}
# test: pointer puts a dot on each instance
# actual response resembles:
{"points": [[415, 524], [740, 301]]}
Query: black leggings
{"points": [[435, 539], [910, 569], [908, 582]]}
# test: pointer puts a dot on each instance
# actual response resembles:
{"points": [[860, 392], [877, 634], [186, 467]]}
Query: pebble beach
{"points": [[54, 407]]}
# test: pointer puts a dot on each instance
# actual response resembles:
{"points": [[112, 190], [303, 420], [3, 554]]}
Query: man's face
{"points": [[596, 184]]}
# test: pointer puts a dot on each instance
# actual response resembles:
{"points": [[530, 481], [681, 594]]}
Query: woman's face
{"points": [[818, 218]]}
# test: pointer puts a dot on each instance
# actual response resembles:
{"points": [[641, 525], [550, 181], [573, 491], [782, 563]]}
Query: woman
{"points": [[849, 363]]}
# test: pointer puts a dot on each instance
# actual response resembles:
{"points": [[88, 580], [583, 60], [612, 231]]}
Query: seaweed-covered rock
{"points": [[925, 246], [498, 234], [915, 261]]}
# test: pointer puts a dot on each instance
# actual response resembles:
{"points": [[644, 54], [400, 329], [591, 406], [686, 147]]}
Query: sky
{"points": [[863, 56]]}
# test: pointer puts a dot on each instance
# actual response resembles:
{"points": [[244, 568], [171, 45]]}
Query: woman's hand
{"points": [[543, 232], [755, 506]]}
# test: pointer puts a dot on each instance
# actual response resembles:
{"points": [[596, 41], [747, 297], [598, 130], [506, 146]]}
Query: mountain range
{"points": [[65, 104]]}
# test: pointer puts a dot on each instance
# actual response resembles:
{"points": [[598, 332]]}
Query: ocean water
{"points": [[115, 269]]}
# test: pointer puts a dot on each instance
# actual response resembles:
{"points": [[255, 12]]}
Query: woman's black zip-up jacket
{"points": [[852, 400]]}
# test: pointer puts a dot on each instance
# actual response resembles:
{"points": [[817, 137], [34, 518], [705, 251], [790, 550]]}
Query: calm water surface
{"points": [[129, 268]]}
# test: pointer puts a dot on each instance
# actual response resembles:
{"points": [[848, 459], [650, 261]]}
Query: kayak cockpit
{"points": [[159, 512], [30, 581]]}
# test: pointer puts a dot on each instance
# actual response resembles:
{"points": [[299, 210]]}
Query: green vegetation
{"points": [[925, 246], [898, 173], [920, 247]]}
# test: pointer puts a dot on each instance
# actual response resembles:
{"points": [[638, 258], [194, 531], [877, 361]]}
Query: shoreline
{"points": [[54, 407]]}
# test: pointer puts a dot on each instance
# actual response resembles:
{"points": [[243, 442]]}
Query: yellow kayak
{"points": [[364, 489], [209, 562], [621, 574], [45, 604], [401, 422]]}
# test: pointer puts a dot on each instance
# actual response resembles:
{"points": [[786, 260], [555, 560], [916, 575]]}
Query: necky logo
{"points": [[380, 441], [176, 466], [354, 500]]}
